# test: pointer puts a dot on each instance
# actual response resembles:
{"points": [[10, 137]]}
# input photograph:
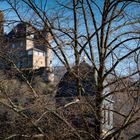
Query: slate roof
{"points": [[67, 85], [18, 31]]}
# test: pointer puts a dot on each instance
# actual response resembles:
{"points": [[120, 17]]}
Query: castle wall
{"points": [[29, 43], [38, 59]]}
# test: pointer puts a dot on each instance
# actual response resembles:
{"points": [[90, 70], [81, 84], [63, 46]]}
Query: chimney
{"points": [[1, 23]]}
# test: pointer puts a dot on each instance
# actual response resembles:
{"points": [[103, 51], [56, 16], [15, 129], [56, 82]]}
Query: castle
{"points": [[26, 47], [29, 49]]}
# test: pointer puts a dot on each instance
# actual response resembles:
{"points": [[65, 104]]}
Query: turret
{"points": [[49, 58], [49, 76]]}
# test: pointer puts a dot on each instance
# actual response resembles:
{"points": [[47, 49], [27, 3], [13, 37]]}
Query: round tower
{"points": [[48, 73]]}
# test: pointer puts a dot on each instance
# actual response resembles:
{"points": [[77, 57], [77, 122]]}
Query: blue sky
{"points": [[10, 15], [4, 5], [51, 4]]}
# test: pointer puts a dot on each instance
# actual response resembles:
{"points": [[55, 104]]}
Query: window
{"points": [[13, 46], [108, 117], [18, 64], [107, 114], [30, 52], [21, 44]]}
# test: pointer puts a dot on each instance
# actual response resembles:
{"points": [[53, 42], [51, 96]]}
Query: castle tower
{"points": [[49, 57], [48, 61], [1, 23], [29, 37]]}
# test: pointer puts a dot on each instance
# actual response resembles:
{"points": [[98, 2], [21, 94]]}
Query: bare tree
{"points": [[107, 33]]}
